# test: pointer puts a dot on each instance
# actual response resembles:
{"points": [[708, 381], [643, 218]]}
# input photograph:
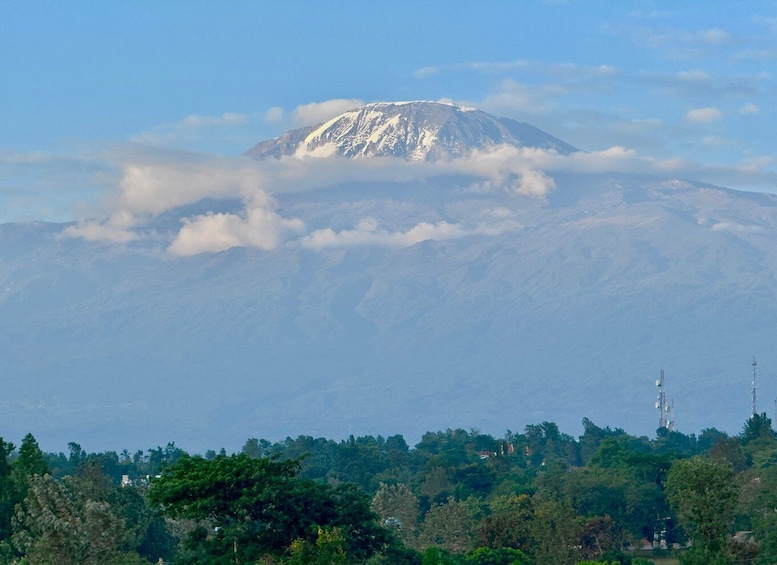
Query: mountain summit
{"points": [[414, 131]]}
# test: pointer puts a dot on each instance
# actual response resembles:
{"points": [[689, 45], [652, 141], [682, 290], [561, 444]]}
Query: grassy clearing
{"points": [[666, 561]]}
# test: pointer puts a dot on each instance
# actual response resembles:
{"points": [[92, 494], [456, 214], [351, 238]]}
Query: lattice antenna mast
{"points": [[755, 409], [661, 405]]}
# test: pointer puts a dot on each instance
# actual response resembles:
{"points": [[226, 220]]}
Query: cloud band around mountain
{"points": [[155, 183]]}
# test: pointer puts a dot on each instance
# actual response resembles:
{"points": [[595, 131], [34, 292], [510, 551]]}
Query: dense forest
{"points": [[458, 497]]}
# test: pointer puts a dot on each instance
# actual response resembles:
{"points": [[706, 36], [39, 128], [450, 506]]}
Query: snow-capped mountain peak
{"points": [[414, 130]]}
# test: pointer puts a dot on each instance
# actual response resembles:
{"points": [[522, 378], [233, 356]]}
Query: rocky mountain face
{"points": [[520, 310], [410, 130]]}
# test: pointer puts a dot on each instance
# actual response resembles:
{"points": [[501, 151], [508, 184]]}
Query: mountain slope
{"points": [[525, 310]]}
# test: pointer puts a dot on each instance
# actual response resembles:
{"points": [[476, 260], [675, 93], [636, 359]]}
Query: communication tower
{"points": [[664, 410], [755, 409]]}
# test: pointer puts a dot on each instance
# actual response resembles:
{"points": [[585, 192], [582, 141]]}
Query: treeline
{"points": [[458, 497]]}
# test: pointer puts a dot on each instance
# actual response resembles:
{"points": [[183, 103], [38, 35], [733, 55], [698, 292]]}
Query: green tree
{"points": [[29, 463], [508, 525], [398, 509], [436, 556], [704, 496], [556, 532], [249, 507], [448, 526], [7, 501], [145, 530], [54, 526], [728, 450], [328, 549], [254, 448], [758, 426], [7, 496]]}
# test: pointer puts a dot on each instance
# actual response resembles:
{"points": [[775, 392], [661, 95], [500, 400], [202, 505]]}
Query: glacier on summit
{"points": [[417, 130]]}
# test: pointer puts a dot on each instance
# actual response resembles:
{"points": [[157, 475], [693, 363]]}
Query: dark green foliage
{"points": [[708, 438], [57, 523], [436, 556], [545, 444], [704, 496], [145, 530], [556, 530], [397, 554], [728, 451], [758, 426], [85, 518], [250, 507], [508, 525], [7, 492], [459, 496], [448, 526], [30, 460], [675, 443], [501, 556]]}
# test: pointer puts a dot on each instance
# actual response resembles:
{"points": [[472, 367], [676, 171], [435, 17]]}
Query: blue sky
{"points": [[686, 87]]}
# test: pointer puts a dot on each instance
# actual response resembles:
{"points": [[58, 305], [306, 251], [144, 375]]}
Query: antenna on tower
{"points": [[755, 409], [665, 411], [661, 402]]}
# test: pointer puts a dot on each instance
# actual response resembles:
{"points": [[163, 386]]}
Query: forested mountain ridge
{"points": [[456, 497]]}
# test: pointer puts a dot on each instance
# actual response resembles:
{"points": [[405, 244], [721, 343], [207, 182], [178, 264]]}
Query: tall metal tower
{"points": [[664, 410], [755, 409]]}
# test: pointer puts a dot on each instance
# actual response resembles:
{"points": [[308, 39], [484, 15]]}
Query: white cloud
{"points": [[512, 97], [500, 212], [491, 66], [737, 228], [713, 141], [573, 71], [700, 85], [749, 109], [318, 112], [506, 167], [755, 54], [368, 233], [151, 182], [677, 43], [425, 72], [566, 70], [225, 119], [754, 164], [274, 115], [693, 76], [703, 115], [11, 158], [259, 227], [710, 36], [150, 186], [190, 129], [43, 185], [116, 229]]}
